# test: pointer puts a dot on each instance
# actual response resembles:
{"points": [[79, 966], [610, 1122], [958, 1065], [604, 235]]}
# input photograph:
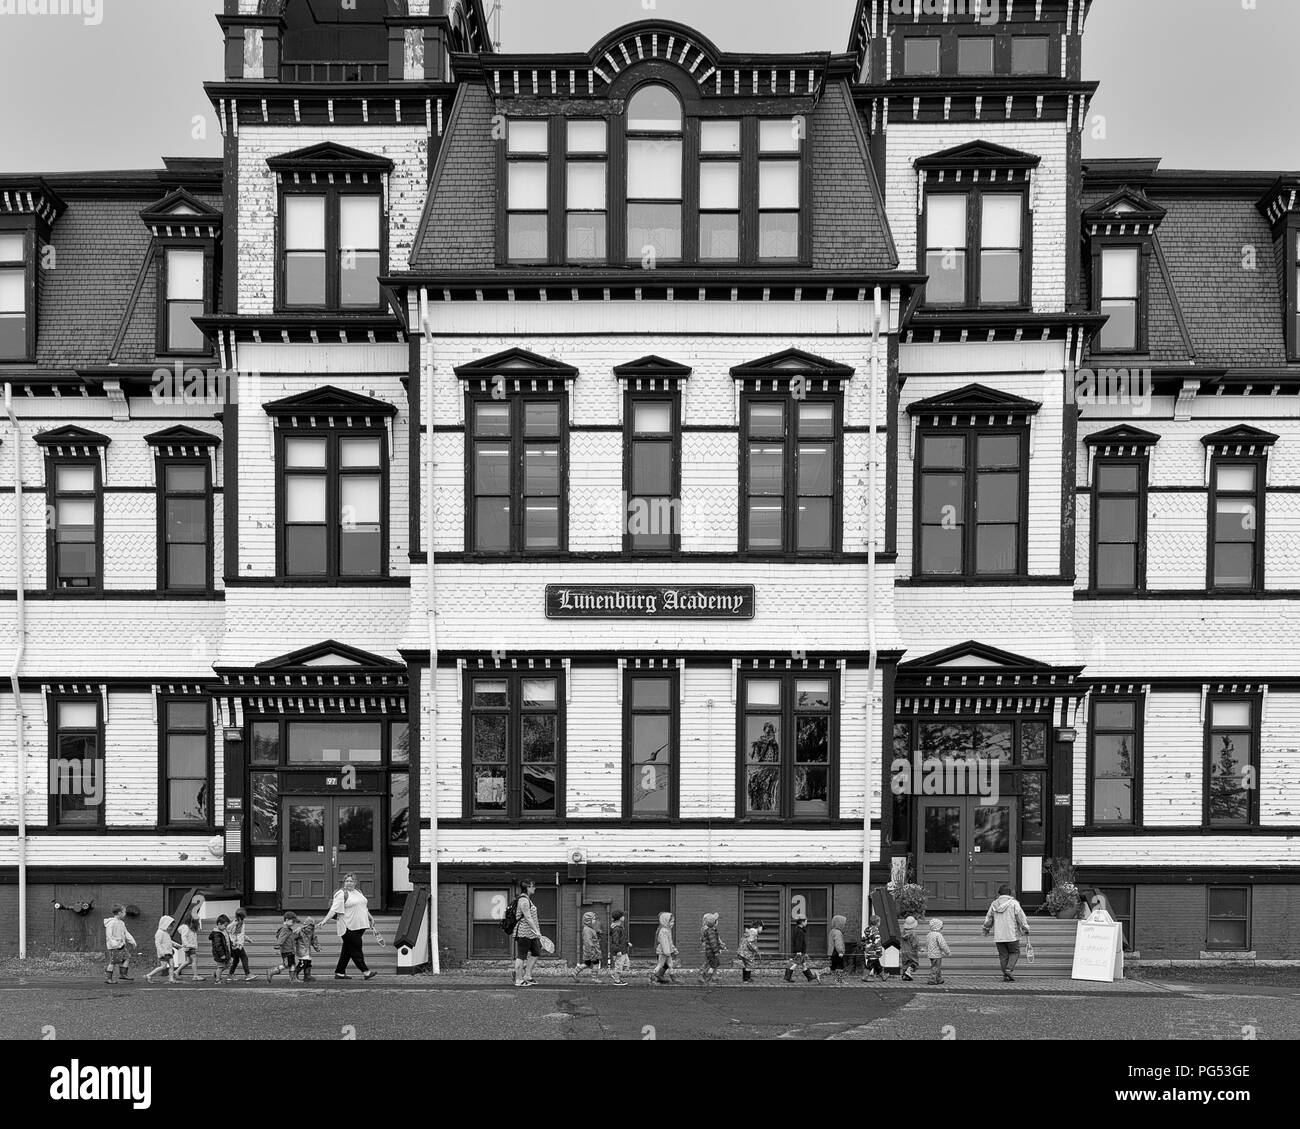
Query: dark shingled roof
{"points": [[89, 296], [1233, 316], [457, 231]]}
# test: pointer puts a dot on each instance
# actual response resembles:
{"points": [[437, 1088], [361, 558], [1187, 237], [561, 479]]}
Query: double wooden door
{"points": [[968, 849], [325, 838]]}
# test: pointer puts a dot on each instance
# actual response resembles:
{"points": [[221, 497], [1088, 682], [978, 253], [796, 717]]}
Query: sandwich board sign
{"points": [[1098, 952]]}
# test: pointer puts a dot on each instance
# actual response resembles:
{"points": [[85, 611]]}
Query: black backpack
{"points": [[511, 917]]}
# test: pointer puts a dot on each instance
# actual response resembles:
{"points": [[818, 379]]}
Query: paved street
{"points": [[555, 1011]]}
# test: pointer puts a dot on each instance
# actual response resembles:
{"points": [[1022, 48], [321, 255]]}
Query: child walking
{"points": [[620, 950], [835, 946], [936, 948], [712, 945], [220, 943], [286, 944], [164, 947], [304, 944], [910, 953], [665, 950], [590, 961], [187, 953], [872, 951], [747, 953], [116, 939], [238, 944], [799, 946]]}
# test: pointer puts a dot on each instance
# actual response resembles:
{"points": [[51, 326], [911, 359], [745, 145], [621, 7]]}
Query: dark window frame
{"points": [[789, 550], [162, 260], [161, 465], [674, 714], [53, 731], [1127, 922], [1291, 260], [715, 157], [631, 437], [788, 713], [52, 495], [333, 251], [970, 523], [165, 820], [590, 158], [26, 227], [1209, 730], [1211, 916], [695, 109], [1143, 246], [333, 473], [1143, 465], [514, 815], [518, 442], [1259, 498], [974, 196], [683, 137], [1138, 703], [640, 922], [506, 951], [1004, 37]]}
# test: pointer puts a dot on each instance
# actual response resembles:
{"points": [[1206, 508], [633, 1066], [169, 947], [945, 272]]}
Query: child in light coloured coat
{"points": [[936, 948], [116, 940], [165, 948], [665, 950], [590, 941], [747, 953]]}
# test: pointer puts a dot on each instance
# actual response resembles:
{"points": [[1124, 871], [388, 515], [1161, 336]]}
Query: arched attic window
{"points": [[655, 201]]}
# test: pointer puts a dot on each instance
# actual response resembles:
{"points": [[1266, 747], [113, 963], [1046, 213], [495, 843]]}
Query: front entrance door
{"points": [[326, 837], [967, 851]]}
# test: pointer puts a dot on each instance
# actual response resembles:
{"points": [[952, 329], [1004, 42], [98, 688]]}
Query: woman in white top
{"points": [[353, 912]]}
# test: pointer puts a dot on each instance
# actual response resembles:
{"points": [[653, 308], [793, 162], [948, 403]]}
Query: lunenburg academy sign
{"points": [[641, 601]]}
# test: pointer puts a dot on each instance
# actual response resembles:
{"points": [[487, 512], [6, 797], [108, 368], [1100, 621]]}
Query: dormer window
{"points": [[15, 295], [185, 233], [332, 232], [1121, 232], [185, 287], [654, 174]]}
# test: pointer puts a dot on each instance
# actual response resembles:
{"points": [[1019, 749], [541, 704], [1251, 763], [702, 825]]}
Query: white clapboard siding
{"points": [[1188, 850], [406, 145], [1044, 514], [708, 726], [1279, 760], [859, 750], [265, 623], [1052, 228], [257, 515], [1173, 761], [174, 851], [676, 846], [1228, 639], [800, 607], [593, 744], [449, 755], [36, 744]]}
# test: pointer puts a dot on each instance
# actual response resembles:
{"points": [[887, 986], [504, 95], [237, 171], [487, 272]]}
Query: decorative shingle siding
{"points": [[407, 146], [262, 624], [1018, 618], [907, 142]]}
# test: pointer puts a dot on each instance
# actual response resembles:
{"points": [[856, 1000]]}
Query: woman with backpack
{"points": [[353, 911], [526, 932]]}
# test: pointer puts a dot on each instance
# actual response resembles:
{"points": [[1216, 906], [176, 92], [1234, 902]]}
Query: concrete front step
{"points": [[975, 954], [260, 934]]}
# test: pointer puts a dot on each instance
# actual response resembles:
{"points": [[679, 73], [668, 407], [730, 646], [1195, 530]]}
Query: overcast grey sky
{"points": [[1201, 83]]}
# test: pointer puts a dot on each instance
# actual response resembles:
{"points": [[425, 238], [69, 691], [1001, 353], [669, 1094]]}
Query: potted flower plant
{"points": [[911, 901], [1063, 898]]}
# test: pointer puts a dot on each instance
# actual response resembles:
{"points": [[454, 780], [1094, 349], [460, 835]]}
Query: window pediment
{"points": [[978, 157], [965, 405], [1126, 212], [179, 215], [72, 440], [522, 371], [181, 440], [1240, 440], [329, 403], [329, 654], [328, 160], [791, 364], [1123, 440]]}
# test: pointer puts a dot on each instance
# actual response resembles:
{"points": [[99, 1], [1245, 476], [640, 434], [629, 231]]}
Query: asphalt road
{"points": [[555, 1012]]}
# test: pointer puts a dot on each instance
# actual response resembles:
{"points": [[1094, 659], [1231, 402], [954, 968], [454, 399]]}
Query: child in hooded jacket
{"points": [[619, 950], [936, 948], [910, 952], [304, 944], [238, 944], [220, 942], [835, 946], [165, 947], [872, 950], [665, 950], [799, 945], [747, 953], [590, 961], [286, 944], [712, 946], [187, 952], [116, 940]]}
